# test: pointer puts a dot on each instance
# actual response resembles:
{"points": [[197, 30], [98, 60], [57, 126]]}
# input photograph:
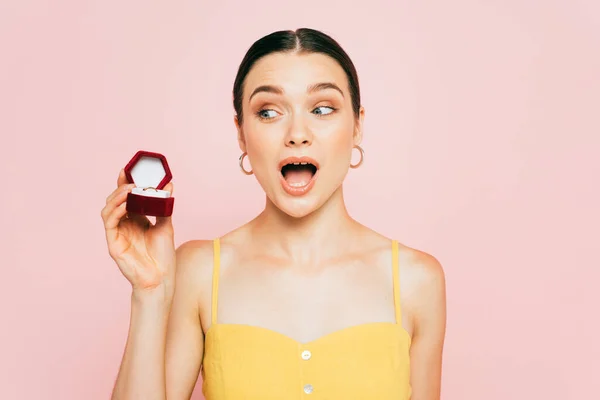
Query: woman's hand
{"points": [[145, 253]]}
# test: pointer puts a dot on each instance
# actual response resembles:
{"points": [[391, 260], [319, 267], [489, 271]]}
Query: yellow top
{"points": [[366, 361]]}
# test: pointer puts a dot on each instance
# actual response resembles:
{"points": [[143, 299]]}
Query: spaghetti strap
{"points": [[215, 279], [396, 283]]}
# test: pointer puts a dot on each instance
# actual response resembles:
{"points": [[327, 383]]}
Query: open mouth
{"points": [[298, 174]]}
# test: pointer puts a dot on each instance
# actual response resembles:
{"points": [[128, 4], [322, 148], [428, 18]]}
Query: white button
{"points": [[306, 355], [308, 389]]}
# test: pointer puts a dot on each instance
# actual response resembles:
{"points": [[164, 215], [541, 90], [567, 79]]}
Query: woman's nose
{"points": [[299, 134]]}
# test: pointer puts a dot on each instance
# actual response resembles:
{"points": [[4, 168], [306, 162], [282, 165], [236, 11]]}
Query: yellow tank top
{"points": [[366, 361]]}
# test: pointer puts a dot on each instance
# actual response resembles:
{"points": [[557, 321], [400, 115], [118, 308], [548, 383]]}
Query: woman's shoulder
{"points": [[416, 262], [423, 287], [422, 265], [194, 251], [194, 274], [421, 273], [197, 257], [195, 261]]}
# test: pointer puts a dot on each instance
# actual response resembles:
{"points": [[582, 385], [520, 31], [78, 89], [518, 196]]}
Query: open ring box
{"points": [[150, 172]]}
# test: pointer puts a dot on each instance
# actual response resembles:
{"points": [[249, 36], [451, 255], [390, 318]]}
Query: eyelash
{"points": [[258, 114]]}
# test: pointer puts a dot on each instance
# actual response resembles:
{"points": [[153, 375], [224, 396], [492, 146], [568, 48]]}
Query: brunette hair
{"points": [[303, 40]]}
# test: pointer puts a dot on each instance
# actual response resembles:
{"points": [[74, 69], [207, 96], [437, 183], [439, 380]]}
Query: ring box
{"points": [[150, 172]]}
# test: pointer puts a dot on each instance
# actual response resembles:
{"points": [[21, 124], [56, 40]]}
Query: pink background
{"points": [[481, 141]]}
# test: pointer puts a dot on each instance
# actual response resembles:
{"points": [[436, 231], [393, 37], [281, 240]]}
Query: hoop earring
{"points": [[362, 157], [244, 154]]}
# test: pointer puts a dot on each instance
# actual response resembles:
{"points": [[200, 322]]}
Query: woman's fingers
{"points": [[123, 188], [114, 211], [111, 223], [117, 199], [115, 208], [122, 179], [162, 221], [169, 188]]}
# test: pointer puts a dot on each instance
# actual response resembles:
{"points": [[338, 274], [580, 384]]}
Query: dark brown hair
{"points": [[303, 40]]}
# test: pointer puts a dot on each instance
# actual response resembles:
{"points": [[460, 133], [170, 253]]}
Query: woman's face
{"points": [[298, 129]]}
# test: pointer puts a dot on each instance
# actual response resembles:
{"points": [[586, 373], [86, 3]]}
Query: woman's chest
{"points": [[303, 306]]}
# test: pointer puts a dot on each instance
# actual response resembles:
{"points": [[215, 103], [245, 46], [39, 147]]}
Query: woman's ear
{"points": [[358, 127], [240, 134]]}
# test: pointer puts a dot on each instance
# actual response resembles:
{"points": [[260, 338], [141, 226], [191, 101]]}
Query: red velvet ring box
{"points": [[150, 172]]}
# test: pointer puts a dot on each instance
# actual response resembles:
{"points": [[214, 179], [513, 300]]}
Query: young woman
{"points": [[303, 301]]}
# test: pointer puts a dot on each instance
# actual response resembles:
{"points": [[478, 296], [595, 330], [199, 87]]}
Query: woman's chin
{"points": [[297, 207]]}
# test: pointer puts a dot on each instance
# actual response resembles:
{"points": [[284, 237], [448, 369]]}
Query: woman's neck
{"points": [[321, 235]]}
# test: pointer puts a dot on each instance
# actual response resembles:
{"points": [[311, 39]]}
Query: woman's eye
{"points": [[267, 114], [323, 110]]}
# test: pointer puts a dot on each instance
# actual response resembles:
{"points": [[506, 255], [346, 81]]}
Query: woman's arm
{"points": [[164, 347], [429, 310], [185, 339]]}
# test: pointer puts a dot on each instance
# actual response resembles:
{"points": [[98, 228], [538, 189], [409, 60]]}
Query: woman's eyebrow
{"points": [[324, 86], [266, 89], [310, 89]]}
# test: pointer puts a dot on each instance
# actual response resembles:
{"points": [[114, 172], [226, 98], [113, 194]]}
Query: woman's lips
{"points": [[298, 160], [301, 186]]}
